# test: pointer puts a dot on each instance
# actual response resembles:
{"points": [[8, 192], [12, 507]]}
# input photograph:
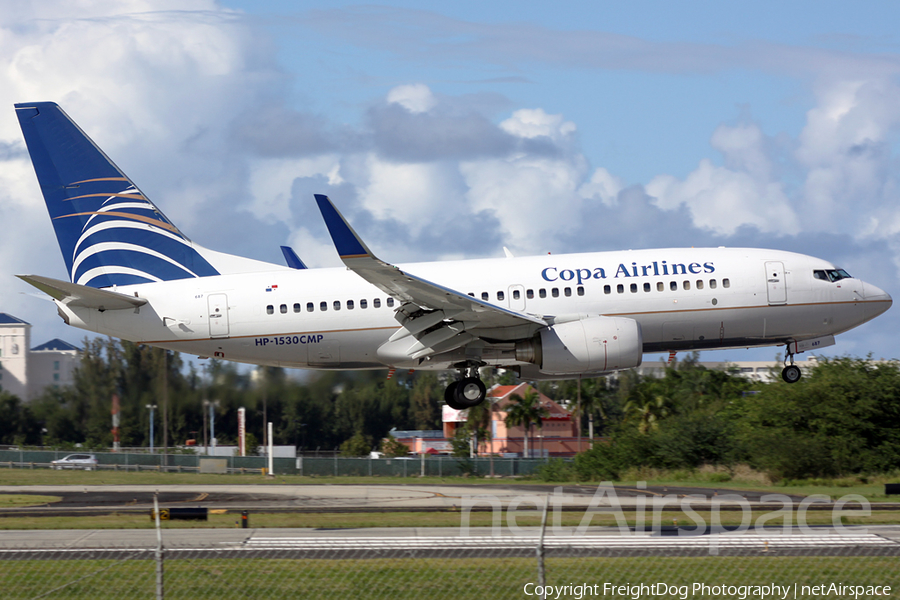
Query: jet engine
{"points": [[585, 345]]}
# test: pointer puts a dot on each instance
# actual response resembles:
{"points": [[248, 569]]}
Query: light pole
{"points": [[212, 404], [152, 407]]}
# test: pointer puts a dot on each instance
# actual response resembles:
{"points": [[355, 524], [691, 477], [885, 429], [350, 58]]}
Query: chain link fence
{"points": [[333, 466], [746, 565]]}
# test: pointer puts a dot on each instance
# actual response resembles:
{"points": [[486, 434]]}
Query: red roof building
{"points": [[557, 436]]}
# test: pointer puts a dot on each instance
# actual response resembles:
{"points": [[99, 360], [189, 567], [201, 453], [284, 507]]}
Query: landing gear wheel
{"points": [[470, 392], [450, 397], [791, 374]]}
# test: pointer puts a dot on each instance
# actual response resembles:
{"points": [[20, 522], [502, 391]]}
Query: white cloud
{"points": [[603, 185], [722, 200], [414, 194], [535, 199], [271, 181], [416, 98], [531, 123]]}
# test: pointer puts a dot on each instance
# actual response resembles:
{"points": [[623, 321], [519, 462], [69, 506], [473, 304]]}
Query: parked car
{"points": [[87, 462]]}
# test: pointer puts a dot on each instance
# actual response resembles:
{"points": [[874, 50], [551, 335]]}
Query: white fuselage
{"points": [[684, 299]]}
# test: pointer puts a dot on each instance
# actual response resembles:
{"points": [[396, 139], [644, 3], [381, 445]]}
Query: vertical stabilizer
{"points": [[109, 232]]}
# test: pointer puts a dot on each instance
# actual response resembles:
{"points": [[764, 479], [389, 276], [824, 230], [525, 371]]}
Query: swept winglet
{"points": [[348, 244]]}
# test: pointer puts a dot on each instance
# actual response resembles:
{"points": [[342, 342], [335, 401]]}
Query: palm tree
{"points": [[525, 411], [648, 406]]}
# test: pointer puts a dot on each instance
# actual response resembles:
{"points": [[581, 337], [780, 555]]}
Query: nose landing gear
{"points": [[466, 392], [791, 373]]}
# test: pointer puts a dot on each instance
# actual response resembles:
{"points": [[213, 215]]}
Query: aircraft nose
{"points": [[878, 297]]}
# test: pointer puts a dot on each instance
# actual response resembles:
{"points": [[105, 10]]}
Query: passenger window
{"points": [[390, 302], [283, 309], [270, 310], [607, 289], [529, 294], [310, 307], [620, 288], [472, 294], [364, 303], [542, 293], [516, 294], [376, 303], [673, 285], [349, 304], [660, 286], [337, 305], [297, 307], [634, 288], [500, 296], [555, 292], [687, 285], [726, 283], [485, 296], [699, 284], [580, 290], [712, 284], [568, 292], [646, 287], [323, 306]]}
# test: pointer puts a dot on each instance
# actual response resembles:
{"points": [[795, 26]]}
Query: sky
{"points": [[450, 130]]}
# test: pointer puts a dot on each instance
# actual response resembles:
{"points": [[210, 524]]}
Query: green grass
{"points": [[18, 500], [416, 578]]}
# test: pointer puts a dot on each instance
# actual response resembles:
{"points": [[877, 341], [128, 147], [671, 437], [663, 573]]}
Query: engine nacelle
{"points": [[589, 345]]}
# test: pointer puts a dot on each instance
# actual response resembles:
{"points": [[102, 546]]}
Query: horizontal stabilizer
{"points": [[73, 294]]}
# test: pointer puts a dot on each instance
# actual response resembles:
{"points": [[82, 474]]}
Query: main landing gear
{"points": [[466, 392], [791, 373]]}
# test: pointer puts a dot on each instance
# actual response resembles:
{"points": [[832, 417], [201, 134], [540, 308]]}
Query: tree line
{"points": [[321, 410], [842, 418]]}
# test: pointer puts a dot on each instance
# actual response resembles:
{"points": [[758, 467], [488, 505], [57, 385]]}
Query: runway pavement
{"points": [[325, 498]]}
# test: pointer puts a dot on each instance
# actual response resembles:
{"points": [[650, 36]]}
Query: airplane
{"points": [[134, 275]]}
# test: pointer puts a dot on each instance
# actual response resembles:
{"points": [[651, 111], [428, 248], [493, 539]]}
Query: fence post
{"points": [[335, 462], [160, 592], [540, 550]]}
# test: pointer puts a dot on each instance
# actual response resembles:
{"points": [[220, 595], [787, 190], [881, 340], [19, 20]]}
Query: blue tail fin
{"points": [[108, 231]]}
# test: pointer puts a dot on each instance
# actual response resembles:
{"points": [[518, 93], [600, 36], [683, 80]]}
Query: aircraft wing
{"points": [[73, 294], [440, 318]]}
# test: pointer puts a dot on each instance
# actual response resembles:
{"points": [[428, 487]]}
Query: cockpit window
{"points": [[831, 275]]}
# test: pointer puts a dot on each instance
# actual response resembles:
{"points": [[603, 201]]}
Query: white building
{"points": [[26, 372]]}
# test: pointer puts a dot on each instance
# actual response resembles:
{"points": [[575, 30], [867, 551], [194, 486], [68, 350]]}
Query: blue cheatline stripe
{"points": [[345, 241]]}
